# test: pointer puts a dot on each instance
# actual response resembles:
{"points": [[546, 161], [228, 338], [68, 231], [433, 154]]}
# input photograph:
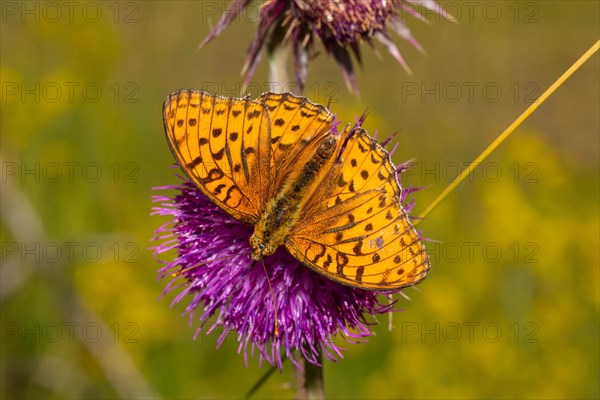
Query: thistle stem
{"points": [[310, 380], [278, 76], [309, 377], [507, 132]]}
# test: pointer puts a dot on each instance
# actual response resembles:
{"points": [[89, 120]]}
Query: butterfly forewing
{"points": [[297, 128], [354, 229], [222, 145]]}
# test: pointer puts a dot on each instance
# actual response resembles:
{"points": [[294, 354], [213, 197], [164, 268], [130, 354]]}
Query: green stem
{"points": [[279, 80], [310, 380], [260, 382], [507, 132]]}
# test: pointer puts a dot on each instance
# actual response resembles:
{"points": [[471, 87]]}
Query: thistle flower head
{"points": [[340, 25], [348, 22], [215, 273]]}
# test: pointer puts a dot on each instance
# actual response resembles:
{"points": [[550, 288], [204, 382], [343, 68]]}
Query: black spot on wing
{"points": [[320, 254], [195, 162], [219, 188], [359, 274], [253, 114], [357, 249], [328, 261], [219, 154], [213, 175]]}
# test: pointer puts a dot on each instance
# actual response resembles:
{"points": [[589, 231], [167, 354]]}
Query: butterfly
{"points": [[332, 199]]}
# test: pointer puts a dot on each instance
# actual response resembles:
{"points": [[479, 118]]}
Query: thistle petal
{"points": [[234, 9]]}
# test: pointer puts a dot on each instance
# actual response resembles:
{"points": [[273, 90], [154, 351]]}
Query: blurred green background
{"points": [[510, 308]]}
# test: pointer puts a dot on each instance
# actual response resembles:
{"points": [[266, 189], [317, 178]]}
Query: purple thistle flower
{"points": [[340, 25], [220, 277]]}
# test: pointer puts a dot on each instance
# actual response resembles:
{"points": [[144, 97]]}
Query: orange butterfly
{"points": [[333, 200]]}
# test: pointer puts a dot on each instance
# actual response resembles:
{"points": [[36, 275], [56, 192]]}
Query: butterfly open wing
{"points": [[240, 152], [354, 229], [222, 145]]}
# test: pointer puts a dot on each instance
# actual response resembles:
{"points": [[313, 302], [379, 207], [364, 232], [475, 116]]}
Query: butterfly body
{"points": [[284, 211], [332, 199]]}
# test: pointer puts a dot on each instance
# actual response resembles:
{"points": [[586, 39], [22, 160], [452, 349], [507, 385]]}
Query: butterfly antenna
{"points": [[178, 273], [272, 297], [329, 101]]}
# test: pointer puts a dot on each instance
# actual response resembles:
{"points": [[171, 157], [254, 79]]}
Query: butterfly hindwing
{"points": [[354, 229]]}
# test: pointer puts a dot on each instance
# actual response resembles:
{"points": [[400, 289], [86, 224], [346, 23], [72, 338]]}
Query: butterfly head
{"points": [[261, 246]]}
